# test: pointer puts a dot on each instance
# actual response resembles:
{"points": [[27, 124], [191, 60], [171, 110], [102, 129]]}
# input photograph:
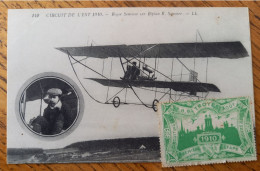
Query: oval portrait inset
{"points": [[50, 104]]}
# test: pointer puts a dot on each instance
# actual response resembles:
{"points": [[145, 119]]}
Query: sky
{"points": [[31, 51]]}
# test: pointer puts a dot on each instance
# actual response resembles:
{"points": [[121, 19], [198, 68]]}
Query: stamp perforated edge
{"points": [[216, 161]]}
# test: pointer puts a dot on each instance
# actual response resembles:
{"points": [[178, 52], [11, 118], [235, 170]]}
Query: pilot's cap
{"points": [[54, 92]]}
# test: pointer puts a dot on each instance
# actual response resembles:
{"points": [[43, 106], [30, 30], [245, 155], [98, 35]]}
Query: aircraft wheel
{"points": [[155, 105], [116, 102]]}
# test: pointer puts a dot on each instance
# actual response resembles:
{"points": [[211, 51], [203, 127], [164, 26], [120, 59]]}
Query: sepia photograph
{"points": [[92, 77], [49, 106]]}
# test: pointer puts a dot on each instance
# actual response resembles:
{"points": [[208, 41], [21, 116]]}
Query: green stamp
{"points": [[207, 131]]}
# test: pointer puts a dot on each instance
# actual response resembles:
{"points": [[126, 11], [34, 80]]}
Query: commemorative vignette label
{"points": [[206, 131]]}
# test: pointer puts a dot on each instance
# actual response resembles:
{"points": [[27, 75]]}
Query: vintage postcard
{"points": [[83, 84], [207, 131]]}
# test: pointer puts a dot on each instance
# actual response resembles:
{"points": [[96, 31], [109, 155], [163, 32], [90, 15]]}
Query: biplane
{"points": [[134, 58]]}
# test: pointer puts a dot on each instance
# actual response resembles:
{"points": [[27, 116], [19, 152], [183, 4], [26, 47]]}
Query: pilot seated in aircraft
{"points": [[132, 72], [135, 72], [56, 115]]}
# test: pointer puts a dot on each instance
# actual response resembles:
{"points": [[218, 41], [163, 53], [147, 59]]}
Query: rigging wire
{"points": [[185, 67], [194, 64], [172, 67], [207, 58], [155, 61], [171, 78], [81, 60], [133, 88], [114, 95], [103, 66], [181, 72], [207, 61], [164, 94], [111, 67], [87, 67], [200, 35], [156, 66], [195, 51], [183, 64], [141, 53], [69, 56]]}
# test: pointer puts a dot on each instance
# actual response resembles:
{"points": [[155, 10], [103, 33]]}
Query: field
{"points": [[116, 150]]}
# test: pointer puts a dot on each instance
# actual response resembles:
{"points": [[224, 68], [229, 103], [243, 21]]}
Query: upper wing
{"points": [[177, 86], [231, 50]]}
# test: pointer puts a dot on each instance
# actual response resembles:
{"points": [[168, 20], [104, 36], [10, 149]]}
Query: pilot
{"points": [[127, 72], [56, 116], [132, 72], [135, 71]]}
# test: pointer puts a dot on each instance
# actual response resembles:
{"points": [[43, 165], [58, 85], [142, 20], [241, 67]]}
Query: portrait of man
{"points": [[49, 106], [56, 117]]}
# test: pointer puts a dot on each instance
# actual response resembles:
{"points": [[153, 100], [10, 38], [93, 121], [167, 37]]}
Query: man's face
{"points": [[53, 100]]}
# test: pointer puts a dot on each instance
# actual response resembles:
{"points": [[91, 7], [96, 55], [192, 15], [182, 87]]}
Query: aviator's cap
{"points": [[54, 91]]}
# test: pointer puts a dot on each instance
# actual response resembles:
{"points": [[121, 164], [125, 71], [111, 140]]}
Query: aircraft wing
{"points": [[176, 86], [231, 50]]}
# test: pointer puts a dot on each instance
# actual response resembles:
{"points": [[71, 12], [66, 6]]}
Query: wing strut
{"points": [[170, 96], [41, 98], [111, 67], [207, 57]]}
